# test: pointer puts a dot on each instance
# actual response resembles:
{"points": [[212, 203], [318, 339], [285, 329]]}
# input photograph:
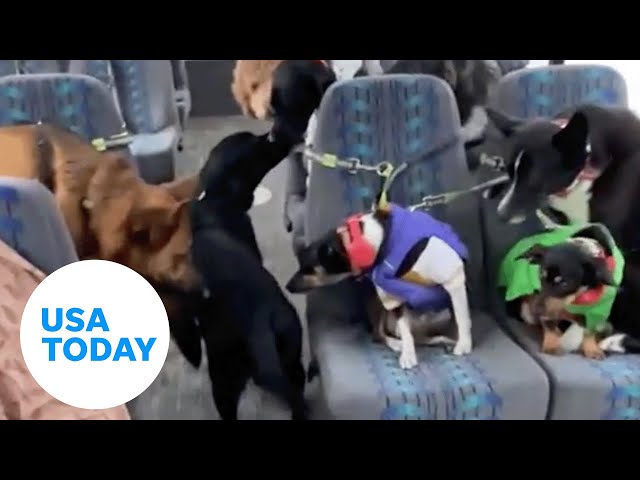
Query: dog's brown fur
{"points": [[112, 213], [550, 311], [251, 86]]}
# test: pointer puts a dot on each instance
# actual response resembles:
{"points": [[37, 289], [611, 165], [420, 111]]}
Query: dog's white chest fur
{"points": [[575, 205], [440, 263]]}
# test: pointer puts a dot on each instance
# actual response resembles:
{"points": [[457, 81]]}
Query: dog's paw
{"points": [[594, 353], [463, 347], [408, 359]]}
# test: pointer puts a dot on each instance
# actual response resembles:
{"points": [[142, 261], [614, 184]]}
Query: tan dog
{"points": [[251, 86], [112, 214]]}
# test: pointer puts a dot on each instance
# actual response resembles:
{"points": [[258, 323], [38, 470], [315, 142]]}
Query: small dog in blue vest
{"points": [[415, 262]]}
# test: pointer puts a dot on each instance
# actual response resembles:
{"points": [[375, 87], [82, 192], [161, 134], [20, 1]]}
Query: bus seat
{"points": [[100, 69], [508, 66], [582, 389], [78, 102], [182, 92], [32, 225], [547, 91], [410, 118], [146, 92]]}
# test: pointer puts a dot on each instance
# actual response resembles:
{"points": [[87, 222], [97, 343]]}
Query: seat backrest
{"points": [[508, 66], [31, 224], [78, 102], [394, 118], [146, 92], [548, 91], [539, 92]]}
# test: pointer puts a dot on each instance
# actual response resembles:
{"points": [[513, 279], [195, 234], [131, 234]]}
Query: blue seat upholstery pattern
{"points": [[547, 91], [32, 225], [410, 118], [582, 389], [78, 102]]}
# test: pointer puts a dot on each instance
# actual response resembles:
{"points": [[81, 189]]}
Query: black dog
{"points": [[250, 329], [583, 166], [593, 160]]}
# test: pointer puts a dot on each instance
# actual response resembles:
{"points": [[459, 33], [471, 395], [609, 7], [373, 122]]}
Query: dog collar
{"points": [[584, 180]]}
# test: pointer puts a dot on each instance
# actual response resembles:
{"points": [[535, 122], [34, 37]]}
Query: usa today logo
{"points": [[94, 334]]}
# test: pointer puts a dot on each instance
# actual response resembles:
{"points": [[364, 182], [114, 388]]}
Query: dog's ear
{"points": [[534, 255], [506, 124], [571, 141], [597, 273]]}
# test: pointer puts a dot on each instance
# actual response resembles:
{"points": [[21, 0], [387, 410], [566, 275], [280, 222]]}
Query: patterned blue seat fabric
{"points": [[400, 118], [32, 225], [582, 389], [77, 102]]}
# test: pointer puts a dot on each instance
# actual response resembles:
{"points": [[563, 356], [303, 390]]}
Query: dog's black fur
{"points": [[249, 327], [566, 268], [551, 159], [252, 331]]}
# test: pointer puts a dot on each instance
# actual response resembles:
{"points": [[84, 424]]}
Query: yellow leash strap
{"points": [[120, 140], [385, 170]]}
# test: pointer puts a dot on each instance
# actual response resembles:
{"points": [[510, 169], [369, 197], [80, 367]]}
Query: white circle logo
{"points": [[94, 334]]}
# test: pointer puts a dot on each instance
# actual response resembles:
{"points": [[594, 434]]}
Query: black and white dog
{"points": [[416, 264], [583, 166]]}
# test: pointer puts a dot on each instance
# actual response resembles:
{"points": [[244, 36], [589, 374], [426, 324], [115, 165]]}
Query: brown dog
{"points": [[251, 86], [112, 213]]}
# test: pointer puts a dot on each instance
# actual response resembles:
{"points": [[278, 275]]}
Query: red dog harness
{"points": [[361, 253], [593, 295]]}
